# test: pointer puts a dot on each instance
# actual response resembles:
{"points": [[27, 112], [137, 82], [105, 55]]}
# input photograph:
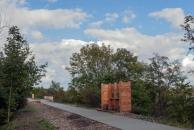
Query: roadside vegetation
{"points": [[30, 118], [160, 88], [18, 74]]}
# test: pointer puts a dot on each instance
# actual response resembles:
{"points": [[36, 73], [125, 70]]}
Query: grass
{"points": [[45, 125], [28, 118], [9, 126], [175, 123], [40, 124]]}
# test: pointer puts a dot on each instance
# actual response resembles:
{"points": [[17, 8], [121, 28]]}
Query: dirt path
{"points": [[67, 121], [37, 116]]}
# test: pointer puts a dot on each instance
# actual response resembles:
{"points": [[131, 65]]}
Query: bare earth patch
{"points": [[38, 116], [67, 121]]}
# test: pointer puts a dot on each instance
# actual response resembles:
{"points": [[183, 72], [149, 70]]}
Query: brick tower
{"points": [[116, 97]]}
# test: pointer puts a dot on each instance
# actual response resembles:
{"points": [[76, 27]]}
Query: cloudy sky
{"points": [[57, 28]]}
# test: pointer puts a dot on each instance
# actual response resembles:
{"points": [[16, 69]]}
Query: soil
{"points": [[58, 119]]}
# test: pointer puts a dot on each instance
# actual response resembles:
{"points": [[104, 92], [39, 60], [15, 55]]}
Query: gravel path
{"points": [[120, 122]]}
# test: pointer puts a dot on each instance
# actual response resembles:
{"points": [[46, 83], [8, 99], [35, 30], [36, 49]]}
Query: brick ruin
{"points": [[116, 97]]}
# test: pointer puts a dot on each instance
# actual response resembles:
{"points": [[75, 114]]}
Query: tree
{"points": [[91, 67], [55, 86], [180, 103], [141, 100], [56, 91], [189, 31], [96, 64], [163, 77], [19, 72], [39, 92], [126, 66]]}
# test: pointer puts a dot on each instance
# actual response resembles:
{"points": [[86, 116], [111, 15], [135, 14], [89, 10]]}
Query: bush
{"points": [[90, 96], [141, 101]]}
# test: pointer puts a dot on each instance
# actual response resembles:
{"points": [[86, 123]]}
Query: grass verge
{"points": [[45, 125], [28, 118]]}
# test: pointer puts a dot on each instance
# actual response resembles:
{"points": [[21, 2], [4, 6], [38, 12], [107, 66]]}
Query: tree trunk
{"points": [[9, 103]]}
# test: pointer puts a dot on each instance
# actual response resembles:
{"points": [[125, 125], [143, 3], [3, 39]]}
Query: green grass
{"points": [[45, 125], [175, 123], [9, 126], [28, 117]]}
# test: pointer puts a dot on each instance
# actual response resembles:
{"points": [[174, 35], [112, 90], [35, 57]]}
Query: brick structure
{"points": [[116, 97]]}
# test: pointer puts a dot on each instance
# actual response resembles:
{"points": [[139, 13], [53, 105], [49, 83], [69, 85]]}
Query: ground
{"points": [[123, 122], [37, 116]]}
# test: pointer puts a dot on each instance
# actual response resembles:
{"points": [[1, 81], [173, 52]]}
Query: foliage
{"points": [[18, 72], [39, 92], [189, 30], [158, 88], [72, 96], [46, 125], [168, 89], [89, 97], [180, 104], [141, 100], [55, 90], [96, 64]]}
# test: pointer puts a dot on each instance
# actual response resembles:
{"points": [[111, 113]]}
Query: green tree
{"points": [[163, 75], [55, 86], [56, 90], [96, 64], [189, 31], [19, 72], [155, 77], [180, 103], [39, 92], [91, 67], [126, 66]]}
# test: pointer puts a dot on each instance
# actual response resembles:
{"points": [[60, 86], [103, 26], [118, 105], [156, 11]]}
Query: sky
{"points": [[57, 28]]}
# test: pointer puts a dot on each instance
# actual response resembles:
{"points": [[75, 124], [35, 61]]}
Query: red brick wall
{"points": [[125, 96], [105, 95], [116, 96]]}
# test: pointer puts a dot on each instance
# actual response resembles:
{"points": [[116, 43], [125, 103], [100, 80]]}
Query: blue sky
{"points": [[57, 28], [97, 9]]}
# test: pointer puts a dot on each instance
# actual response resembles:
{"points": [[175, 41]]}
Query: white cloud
{"points": [[57, 55], [188, 62], [22, 2], [141, 44], [96, 24], [35, 18], [175, 16], [111, 17], [128, 16], [188, 66], [37, 35]]}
